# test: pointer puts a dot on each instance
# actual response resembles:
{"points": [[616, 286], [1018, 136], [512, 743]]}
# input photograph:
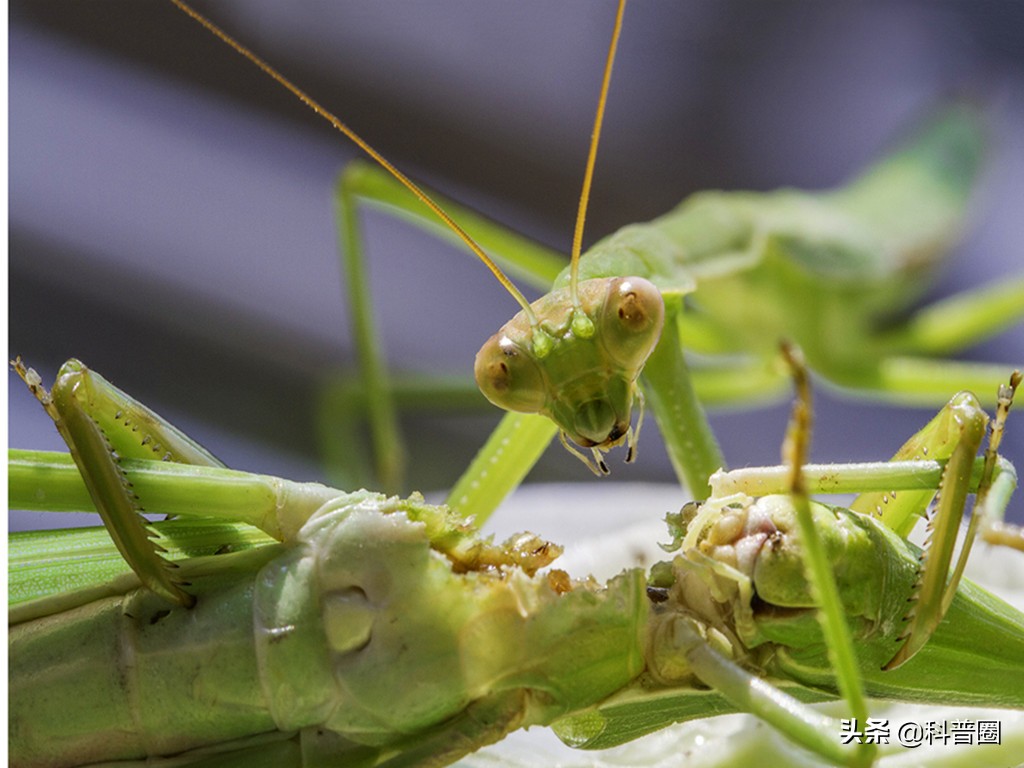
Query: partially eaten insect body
{"points": [[383, 631]]}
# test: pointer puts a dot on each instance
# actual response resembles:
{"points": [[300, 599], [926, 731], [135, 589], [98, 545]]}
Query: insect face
{"points": [[587, 381]]}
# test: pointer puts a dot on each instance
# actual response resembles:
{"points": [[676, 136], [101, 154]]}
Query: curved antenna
{"points": [[588, 175], [359, 142]]}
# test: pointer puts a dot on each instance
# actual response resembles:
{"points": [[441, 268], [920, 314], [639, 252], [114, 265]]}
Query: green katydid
{"points": [[304, 651]]}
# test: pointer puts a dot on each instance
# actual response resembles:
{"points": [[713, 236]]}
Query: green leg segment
{"points": [[101, 426], [954, 436], [955, 323], [509, 454], [344, 406], [906, 369], [745, 383], [820, 576], [956, 431], [388, 448], [217, 511], [691, 444], [921, 381], [749, 693], [520, 256]]}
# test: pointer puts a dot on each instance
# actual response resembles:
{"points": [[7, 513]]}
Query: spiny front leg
{"points": [[954, 437], [934, 592], [101, 425]]}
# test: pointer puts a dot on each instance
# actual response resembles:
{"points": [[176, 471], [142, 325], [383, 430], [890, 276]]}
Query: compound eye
{"points": [[509, 377], [631, 320]]}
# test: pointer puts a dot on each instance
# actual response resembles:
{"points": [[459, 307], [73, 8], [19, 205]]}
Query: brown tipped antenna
{"points": [[359, 142], [588, 175]]}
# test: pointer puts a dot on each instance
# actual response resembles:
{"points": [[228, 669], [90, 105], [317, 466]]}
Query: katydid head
{"points": [[577, 362]]}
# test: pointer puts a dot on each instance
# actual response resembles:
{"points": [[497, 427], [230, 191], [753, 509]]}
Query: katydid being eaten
{"points": [[355, 629]]}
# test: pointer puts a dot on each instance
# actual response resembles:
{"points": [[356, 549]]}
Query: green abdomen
{"points": [[131, 676]]}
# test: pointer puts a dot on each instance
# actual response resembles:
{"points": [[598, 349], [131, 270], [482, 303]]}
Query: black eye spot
{"points": [[631, 311], [627, 300], [498, 374]]}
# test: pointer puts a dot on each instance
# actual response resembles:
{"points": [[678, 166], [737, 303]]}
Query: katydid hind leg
{"points": [[387, 443], [531, 262], [342, 408], [800, 723]]}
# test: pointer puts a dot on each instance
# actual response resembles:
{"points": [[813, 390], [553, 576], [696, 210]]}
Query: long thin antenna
{"points": [[595, 136], [359, 142]]}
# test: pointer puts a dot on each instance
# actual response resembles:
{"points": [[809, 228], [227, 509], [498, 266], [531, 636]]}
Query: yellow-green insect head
{"points": [[576, 365]]}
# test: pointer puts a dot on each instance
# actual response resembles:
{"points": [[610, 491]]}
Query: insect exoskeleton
{"points": [[739, 580], [592, 351]]}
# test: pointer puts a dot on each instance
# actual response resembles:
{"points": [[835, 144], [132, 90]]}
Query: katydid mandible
{"points": [[358, 576]]}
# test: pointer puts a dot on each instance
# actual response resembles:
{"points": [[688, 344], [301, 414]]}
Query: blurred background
{"points": [[171, 216]]}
